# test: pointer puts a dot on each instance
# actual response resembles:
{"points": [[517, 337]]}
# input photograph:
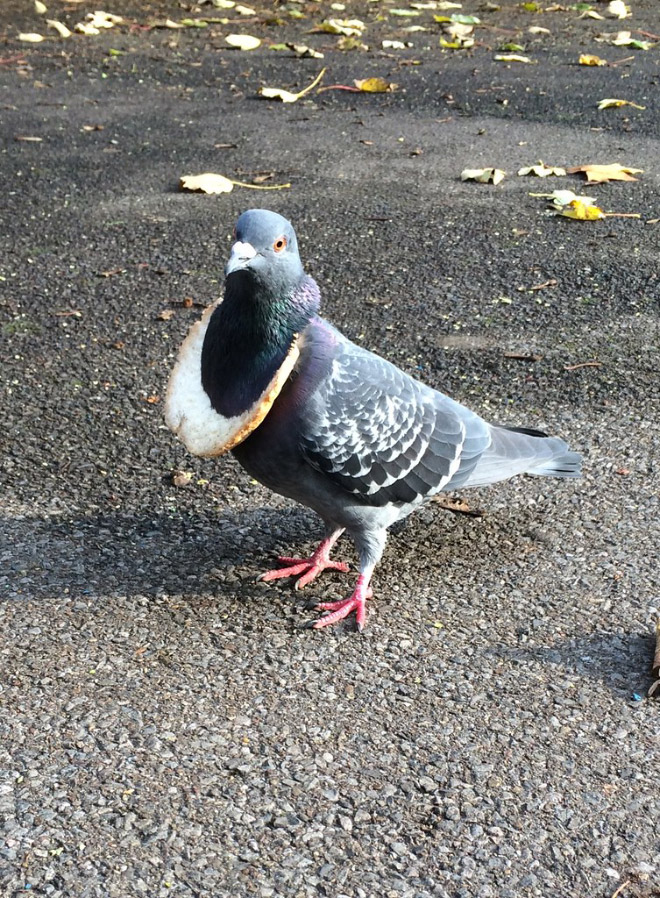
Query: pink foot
{"points": [[310, 567], [339, 610]]}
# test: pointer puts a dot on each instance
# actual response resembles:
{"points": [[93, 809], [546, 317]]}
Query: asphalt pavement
{"points": [[167, 725]]}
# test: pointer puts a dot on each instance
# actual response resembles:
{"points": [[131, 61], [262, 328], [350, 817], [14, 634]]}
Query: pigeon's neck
{"points": [[248, 338]]}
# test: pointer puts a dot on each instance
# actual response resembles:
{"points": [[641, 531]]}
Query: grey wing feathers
{"points": [[383, 436]]}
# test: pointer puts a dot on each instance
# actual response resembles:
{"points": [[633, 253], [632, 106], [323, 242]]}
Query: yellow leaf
{"points": [[40, 8], [590, 59], [483, 175], [611, 172], [31, 38], [581, 211], [611, 101], [374, 85], [243, 41], [60, 27], [512, 57], [206, 183], [277, 93]]}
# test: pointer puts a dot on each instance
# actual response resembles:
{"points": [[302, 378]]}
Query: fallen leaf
{"points": [[538, 29], [152, 400], [512, 57], [591, 14], [459, 43], [564, 197], [68, 313], [622, 472], [207, 183], [304, 52], [243, 41], [541, 170], [40, 8], [395, 45], [374, 85], [403, 12], [31, 37], [590, 59], [245, 10], [111, 272], [612, 172], [165, 314], [27, 138], [624, 39], [484, 175], [60, 27], [618, 9], [459, 506], [461, 19], [98, 20], [611, 102], [580, 211], [211, 183], [347, 27], [278, 93], [93, 127]]}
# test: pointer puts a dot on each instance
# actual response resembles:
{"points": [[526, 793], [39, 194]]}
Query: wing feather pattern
{"points": [[384, 436]]}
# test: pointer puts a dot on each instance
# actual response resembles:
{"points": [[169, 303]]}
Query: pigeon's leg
{"points": [[356, 602], [310, 567], [370, 543]]}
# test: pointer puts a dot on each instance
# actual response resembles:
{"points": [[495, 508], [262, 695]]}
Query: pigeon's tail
{"points": [[517, 450]]}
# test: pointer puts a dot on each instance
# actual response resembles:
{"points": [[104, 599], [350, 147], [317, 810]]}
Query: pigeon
{"points": [[325, 422]]}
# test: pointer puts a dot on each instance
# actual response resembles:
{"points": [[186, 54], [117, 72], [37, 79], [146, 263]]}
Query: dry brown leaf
{"points": [[612, 172], [165, 314]]}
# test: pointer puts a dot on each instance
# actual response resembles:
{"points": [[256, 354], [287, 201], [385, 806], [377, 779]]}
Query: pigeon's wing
{"points": [[383, 436]]}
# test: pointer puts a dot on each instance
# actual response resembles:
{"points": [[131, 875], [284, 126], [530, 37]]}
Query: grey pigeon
{"points": [[316, 418]]}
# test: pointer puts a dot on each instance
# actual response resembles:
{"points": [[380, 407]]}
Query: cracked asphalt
{"points": [[167, 727]]}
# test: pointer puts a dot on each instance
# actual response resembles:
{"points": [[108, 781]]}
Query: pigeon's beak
{"points": [[241, 256]]}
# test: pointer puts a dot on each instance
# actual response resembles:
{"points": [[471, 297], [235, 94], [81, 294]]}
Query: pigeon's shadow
{"points": [[120, 554], [619, 661]]}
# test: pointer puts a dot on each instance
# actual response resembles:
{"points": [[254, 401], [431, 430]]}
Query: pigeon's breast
{"points": [[189, 411]]}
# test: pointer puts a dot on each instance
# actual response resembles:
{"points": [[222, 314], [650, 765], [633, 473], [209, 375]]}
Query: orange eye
{"points": [[279, 244]]}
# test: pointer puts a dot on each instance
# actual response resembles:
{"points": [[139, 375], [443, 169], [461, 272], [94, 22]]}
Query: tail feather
{"points": [[517, 450]]}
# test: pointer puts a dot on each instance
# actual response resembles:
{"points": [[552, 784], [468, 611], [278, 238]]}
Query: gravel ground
{"points": [[167, 726]]}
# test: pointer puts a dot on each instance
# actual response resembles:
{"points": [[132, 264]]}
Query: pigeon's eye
{"points": [[279, 244]]}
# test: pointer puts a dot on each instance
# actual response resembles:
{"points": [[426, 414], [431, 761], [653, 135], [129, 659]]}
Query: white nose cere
{"points": [[242, 252]]}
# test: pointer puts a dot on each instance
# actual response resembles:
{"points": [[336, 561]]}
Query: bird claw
{"points": [[339, 610], [309, 568]]}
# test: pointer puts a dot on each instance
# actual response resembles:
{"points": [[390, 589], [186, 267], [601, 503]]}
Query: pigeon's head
{"points": [[265, 251]]}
